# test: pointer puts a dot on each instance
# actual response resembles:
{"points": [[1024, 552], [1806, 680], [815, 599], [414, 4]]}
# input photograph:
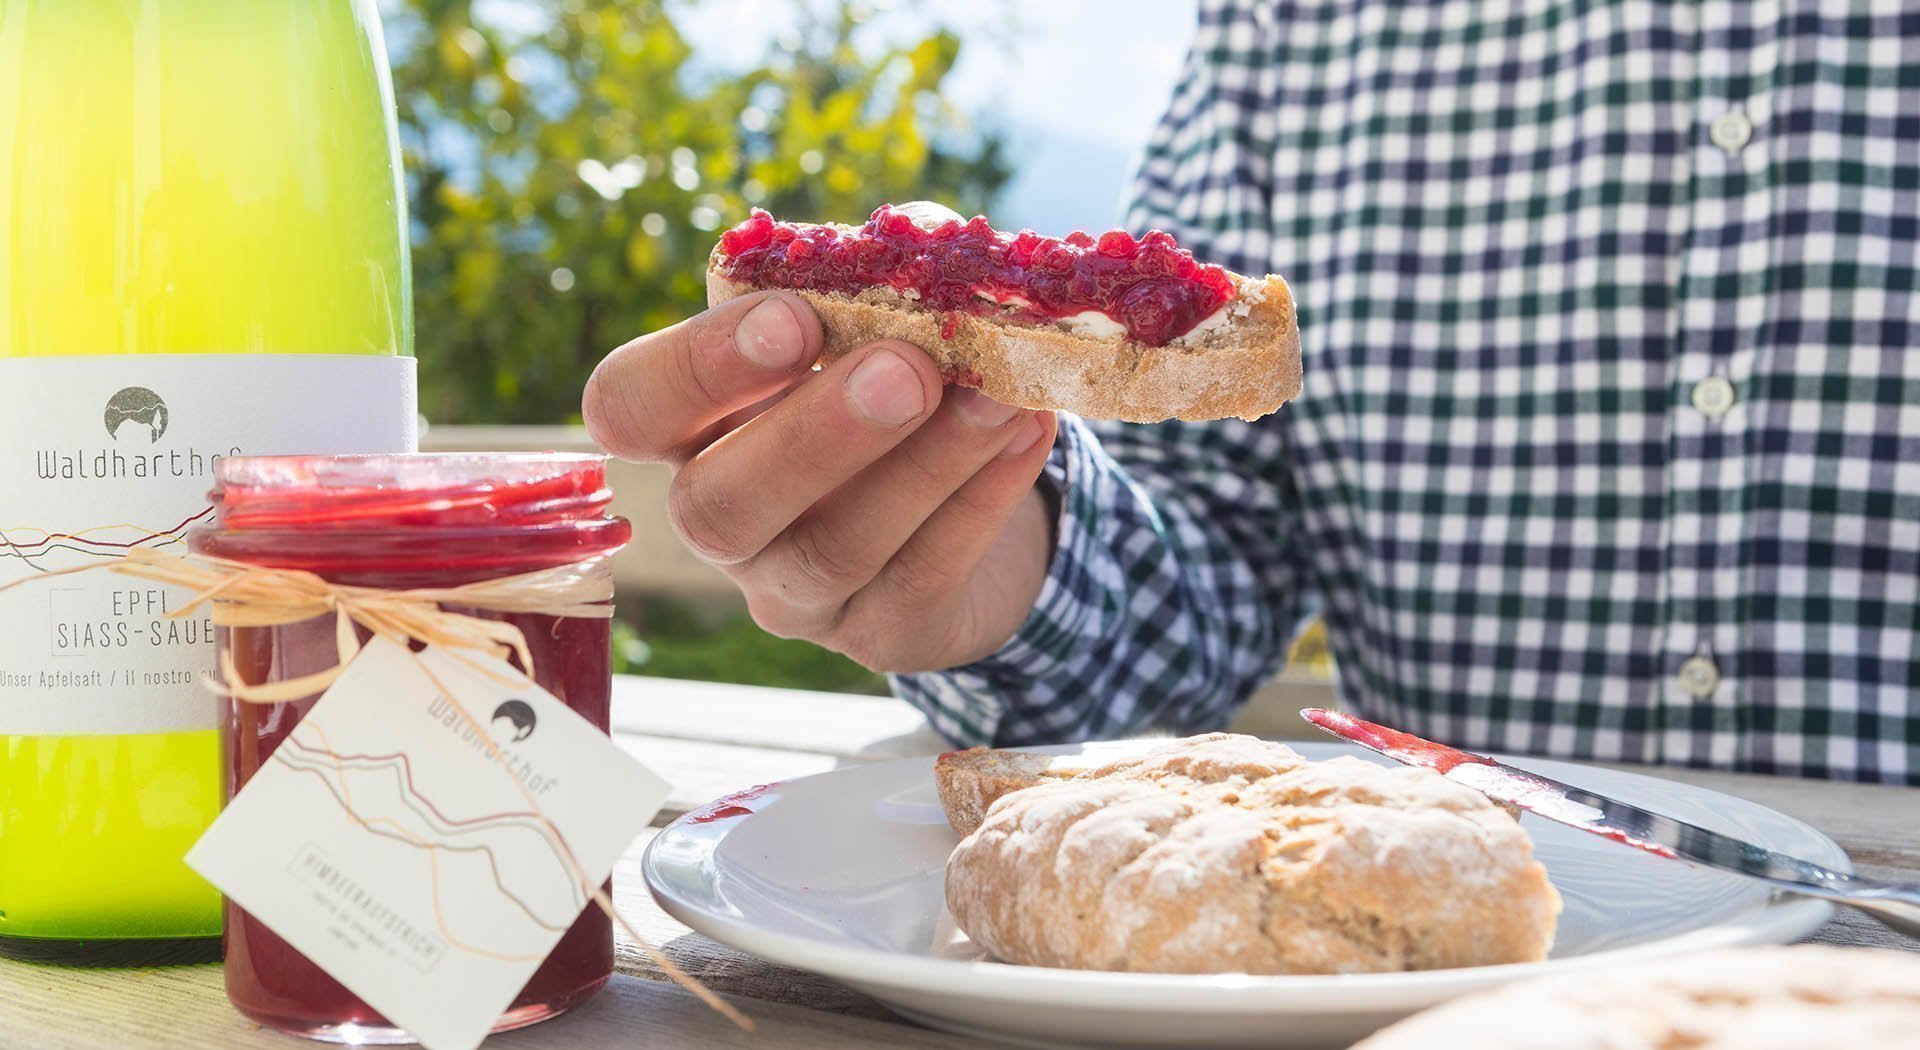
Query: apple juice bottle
{"points": [[203, 253]]}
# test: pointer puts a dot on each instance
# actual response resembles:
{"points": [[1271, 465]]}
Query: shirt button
{"points": [[1713, 396], [1699, 676], [1731, 131]]}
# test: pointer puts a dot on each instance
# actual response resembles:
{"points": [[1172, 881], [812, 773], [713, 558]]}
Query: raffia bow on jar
{"points": [[239, 595]]}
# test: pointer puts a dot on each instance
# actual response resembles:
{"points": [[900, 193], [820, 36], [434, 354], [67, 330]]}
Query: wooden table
{"points": [[709, 740]]}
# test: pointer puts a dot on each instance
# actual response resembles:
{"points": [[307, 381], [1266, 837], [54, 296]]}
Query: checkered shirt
{"points": [[1610, 441]]}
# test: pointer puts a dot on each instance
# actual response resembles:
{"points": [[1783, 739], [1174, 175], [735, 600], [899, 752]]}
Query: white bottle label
{"points": [[100, 454]]}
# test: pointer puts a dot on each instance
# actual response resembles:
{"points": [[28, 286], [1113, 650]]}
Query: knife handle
{"points": [[1896, 907], [1895, 904]]}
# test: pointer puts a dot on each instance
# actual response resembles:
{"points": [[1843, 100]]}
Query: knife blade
{"points": [[1895, 904]]}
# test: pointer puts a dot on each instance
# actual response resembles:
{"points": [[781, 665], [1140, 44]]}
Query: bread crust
{"points": [[1247, 368], [1744, 999], [1229, 854], [969, 782]]}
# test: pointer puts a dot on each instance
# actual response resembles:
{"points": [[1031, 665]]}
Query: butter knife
{"points": [[1895, 904]]}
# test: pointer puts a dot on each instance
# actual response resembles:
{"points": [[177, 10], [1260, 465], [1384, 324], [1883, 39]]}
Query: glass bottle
{"points": [[203, 252]]}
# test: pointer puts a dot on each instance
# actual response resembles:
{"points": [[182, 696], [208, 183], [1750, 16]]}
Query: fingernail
{"points": [[886, 390], [770, 336], [1029, 434], [981, 410]]}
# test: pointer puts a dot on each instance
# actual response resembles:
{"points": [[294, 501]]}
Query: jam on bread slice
{"points": [[1108, 327], [1152, 288]]}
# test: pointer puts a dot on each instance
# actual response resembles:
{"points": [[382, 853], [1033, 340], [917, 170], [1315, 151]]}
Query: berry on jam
{"points": [[1152, 286]]}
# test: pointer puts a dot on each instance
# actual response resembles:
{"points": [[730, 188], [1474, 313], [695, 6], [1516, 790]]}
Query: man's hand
{"points": [[864, 507]]}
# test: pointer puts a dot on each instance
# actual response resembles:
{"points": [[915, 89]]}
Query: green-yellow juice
{"points": [[188, 177]]}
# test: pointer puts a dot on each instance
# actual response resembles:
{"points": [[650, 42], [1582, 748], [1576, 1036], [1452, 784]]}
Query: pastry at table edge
{"points": [[1228, 854], [1242, 360], [1774, 998]]}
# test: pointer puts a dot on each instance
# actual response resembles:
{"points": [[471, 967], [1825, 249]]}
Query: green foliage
{"points": [[567, 181], [673, 642]]}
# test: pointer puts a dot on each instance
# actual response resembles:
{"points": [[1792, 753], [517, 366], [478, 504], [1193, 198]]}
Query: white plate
{"points": [[841, 874]]}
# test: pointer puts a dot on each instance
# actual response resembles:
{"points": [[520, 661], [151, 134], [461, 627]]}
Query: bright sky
{"points": [[1099, 68], [1078, 89]]}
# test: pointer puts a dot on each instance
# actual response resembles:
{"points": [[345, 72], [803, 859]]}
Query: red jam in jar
{"points": [[402, 522], [1152, 287]]}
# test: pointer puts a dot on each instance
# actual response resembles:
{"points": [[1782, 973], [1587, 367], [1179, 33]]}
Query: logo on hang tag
{"points": [[416, 835]]}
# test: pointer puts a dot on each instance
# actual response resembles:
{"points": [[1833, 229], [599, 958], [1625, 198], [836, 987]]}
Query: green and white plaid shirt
{"points": [[1610, 442]]}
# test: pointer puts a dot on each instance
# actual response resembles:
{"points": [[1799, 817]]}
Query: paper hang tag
{"points": [[386, 843]]}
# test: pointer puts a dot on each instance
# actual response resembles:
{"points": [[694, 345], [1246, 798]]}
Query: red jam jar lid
{"points": [[467, 514]]}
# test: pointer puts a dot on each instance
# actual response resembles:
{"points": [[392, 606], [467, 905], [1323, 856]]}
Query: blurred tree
{"points": [[569, 172]]}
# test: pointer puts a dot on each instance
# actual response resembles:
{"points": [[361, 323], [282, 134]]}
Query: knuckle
{"points": [[820, 568], [707, 518], [696, 372], [625, 404], [780, 619], [877, 646], [707, 331], [975, 507], [614, 411], [928, 650], [918, 575], [927, 598], [925, 472], [851, 638]]}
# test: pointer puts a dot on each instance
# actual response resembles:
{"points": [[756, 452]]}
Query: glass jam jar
{"points": [[402, 522]]}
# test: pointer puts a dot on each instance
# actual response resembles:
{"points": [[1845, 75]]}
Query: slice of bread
{"points": [[971, 781], [1246, 367]]}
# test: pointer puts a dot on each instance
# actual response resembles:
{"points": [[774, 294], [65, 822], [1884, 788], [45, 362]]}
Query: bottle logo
{"points": [[137, 404], [513, 722]]}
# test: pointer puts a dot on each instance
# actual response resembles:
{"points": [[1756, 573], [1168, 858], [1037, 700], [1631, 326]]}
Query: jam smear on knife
{"points": [[1413, 750], [1419, 751]]}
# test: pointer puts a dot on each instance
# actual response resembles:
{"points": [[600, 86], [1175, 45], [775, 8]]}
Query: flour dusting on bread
{"points": [[1225, 853]]}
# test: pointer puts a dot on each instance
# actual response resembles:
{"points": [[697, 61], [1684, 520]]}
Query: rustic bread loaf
{"points": [[1226, 853], [1800, 998], [1246, 367]]}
